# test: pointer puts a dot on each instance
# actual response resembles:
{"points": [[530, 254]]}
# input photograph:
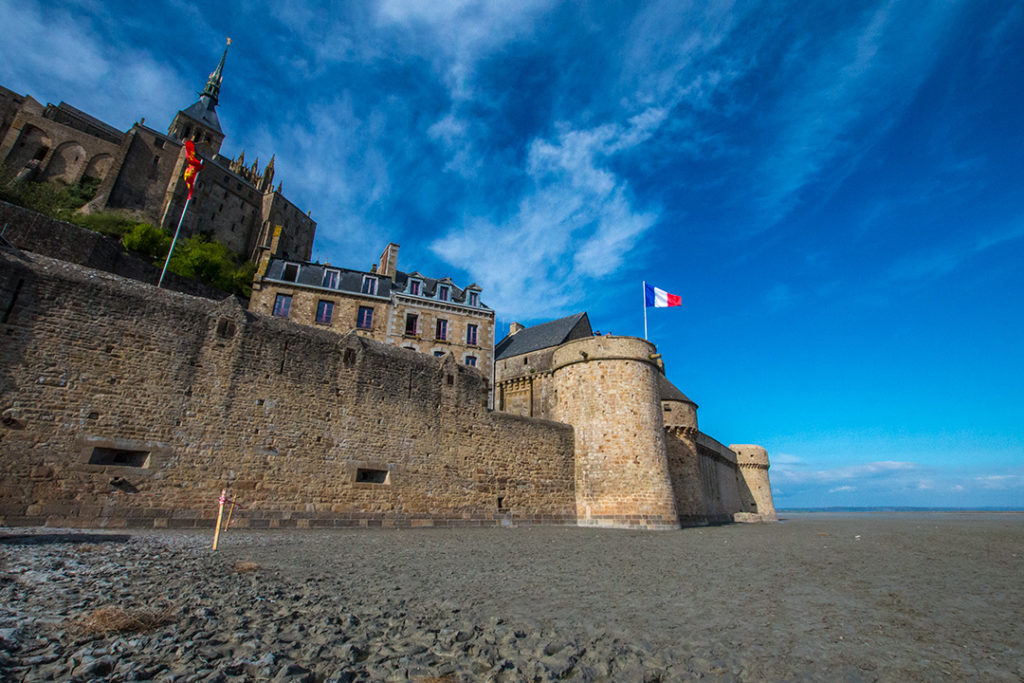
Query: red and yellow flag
{"points": [[193, 168]]}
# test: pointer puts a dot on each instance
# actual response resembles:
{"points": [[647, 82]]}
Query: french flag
{"points": [[659, 298]]}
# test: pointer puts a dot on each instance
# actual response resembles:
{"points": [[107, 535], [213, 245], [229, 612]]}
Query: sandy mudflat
{"points": [[817, 597]]}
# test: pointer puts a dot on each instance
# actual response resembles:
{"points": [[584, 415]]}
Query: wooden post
{"points": [[220, 513], [230, 511]]}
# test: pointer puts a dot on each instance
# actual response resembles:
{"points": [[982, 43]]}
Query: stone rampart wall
{"points": [[121, 404], [41, 234]]}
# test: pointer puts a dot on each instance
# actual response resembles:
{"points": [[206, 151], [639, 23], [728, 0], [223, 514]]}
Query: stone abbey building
{"points": [[139, 171]]}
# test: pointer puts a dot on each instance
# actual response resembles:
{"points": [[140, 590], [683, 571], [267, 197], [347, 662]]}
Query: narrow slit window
{"points": [[119, 457], [371, 476]]}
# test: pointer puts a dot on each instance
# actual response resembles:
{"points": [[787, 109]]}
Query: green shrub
{"points": [[53, 199], [109, 224], [200, 258], [148, 241]]}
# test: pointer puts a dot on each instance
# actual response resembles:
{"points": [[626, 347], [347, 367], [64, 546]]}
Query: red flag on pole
{"points": [[194, 165]]}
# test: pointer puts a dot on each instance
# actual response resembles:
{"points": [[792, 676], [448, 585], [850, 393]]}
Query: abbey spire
{"points": [[212, 89], [199, 122]]}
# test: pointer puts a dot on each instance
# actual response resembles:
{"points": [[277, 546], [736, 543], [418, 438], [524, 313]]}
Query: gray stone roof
{"points": [[203, 112], [351, 281], [669, 391], [545, 335]]}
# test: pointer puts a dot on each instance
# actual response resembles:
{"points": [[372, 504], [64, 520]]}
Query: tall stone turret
{"points": [[607, 388], [755, 489]]}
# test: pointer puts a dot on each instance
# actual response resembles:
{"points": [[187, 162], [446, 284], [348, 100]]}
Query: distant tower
{"points": [[755, 490], [199, 122]]}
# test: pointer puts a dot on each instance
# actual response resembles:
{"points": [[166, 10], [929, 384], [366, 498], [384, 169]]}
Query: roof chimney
{"points": [[388, 264], [516, 327]]}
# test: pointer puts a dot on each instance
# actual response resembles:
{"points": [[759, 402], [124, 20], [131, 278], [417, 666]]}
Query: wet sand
{"points": [[914, 596]]}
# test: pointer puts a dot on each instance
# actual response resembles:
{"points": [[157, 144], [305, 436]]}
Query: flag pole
{"points": [[174, 240], [645, 309]]}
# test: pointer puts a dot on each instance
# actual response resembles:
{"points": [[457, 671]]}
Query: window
{"points": [[414, 287], [443, 292], [438, 354], [368, 476], [365, 319], [474, 299], [324, 312], [330, 279], [471, 361], [291, 272], [471, 334], [369, 285], [119, 457], [442, 330], [411, 324], [282, 305]]}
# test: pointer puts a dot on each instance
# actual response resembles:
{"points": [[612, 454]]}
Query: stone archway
{"points": [[33, 145], [67, 163], [99, 166]]}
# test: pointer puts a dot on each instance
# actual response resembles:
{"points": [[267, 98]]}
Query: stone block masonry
{"points": [[124, 405]]}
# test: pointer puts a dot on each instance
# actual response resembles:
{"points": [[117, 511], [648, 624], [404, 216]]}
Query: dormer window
{"points": [[414, 287], [291, 272], [369, 285], [331, 279], [444, 292], [474, 298]]}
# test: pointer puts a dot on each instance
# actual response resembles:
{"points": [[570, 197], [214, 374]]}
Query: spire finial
{"points": [[212, 89]]}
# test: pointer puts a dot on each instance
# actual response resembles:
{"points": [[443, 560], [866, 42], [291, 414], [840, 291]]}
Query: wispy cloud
{"points": [[575, 223], [852, 86], [936, 261]]}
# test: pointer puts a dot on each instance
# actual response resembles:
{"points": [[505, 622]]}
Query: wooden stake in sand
{"points": [[231, 510], [220, 514]]}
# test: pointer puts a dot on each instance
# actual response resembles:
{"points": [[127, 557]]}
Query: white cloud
{"points": [[575, 224], [841, 489]]}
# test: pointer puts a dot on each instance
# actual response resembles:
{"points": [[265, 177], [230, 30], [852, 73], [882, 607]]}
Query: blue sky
{"points": [[835, 190]]}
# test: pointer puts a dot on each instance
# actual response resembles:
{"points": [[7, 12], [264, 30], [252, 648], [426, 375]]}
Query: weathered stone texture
{"points": [[607, 389], [287, 415]]}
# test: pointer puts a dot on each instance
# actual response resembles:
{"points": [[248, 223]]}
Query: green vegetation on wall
{"points": [[196, 257]]}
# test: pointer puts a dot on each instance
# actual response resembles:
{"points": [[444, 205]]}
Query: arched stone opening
{"points": [[67, 163]]}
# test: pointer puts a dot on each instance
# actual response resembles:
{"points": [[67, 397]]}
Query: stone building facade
{"points": [[397, 308], [641, 460], [139, 171]]}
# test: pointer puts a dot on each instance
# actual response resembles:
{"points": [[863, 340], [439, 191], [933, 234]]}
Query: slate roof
{"points": [[669, 391], [203, 112], [545, 335], [351, 281]]}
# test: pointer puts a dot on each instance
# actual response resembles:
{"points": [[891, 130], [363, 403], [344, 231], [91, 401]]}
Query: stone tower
{"points": [[607, 388], [199, 122], [755, 489]]}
